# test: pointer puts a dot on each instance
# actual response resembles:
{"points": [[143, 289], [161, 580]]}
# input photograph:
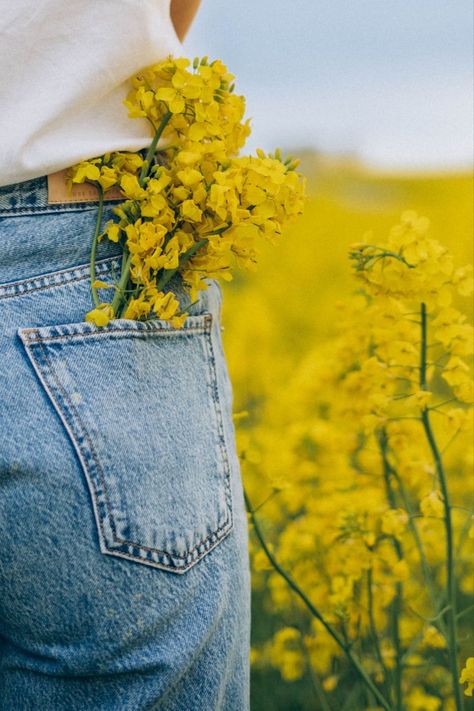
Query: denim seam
{"points": [[124, 332], [220, 421], [77, 422], [54, 279], [167, 566], [163, 331]]}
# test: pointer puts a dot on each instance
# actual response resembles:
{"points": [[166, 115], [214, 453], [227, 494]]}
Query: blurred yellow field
{"points": [[334, 384], [300, 281]]}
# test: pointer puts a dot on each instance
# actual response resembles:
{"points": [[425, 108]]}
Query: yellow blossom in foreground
{"points": [[467, 676], [419, 700], [432, 505], [105, 171], [286, 652], [394, 522], [433, 638], [330, 683], [100, 315]]}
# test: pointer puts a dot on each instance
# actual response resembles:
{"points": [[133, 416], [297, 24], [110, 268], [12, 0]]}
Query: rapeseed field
{"points": [[350, 356]]}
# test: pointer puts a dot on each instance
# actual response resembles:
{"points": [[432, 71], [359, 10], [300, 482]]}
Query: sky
{"points": [[389, 81]]}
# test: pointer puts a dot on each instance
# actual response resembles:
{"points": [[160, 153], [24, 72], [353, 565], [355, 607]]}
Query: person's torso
{"points": [[65, 66]]}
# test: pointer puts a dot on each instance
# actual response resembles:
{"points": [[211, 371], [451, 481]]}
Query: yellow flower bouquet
{"points": [[194, 207]]}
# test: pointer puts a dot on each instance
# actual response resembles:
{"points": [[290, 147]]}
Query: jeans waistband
{"points": [[31, 196], [42, 245], [37, 238]]}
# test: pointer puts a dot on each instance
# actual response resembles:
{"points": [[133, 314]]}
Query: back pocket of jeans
{"points": [[141, 405]]}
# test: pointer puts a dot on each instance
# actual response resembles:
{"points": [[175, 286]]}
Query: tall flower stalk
{"points": [[451, 592], [369, 529]]}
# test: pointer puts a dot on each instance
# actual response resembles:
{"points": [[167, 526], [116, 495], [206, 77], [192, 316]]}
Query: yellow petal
{"points": [[100, 315], [99, 284]]}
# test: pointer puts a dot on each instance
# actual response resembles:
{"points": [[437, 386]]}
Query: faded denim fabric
{"points": [[124, 579]]}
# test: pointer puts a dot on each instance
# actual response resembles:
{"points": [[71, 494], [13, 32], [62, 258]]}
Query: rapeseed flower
{"points": [[467, 676]]}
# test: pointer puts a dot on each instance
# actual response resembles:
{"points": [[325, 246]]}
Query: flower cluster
{"points": [[413, 269], [106, 171], [195, 207], [197, 104]]}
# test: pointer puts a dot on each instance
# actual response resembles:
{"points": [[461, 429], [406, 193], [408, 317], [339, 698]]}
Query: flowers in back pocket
{"points": [[194, 207]]}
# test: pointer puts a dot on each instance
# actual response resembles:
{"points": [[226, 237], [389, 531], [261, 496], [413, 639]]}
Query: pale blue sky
{"points": [[389, 80]]}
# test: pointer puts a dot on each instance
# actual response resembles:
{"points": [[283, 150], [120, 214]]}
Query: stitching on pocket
{"points": [[125, 333], [10, 290], [218, 408], [68, 411], [80, 425]]}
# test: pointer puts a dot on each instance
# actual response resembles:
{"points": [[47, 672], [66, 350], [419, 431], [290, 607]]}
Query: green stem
{"points": [[396, 615], [424, 561], [126, 260], [450, 572], [121, 287], [373, 630], [219, 231], [315, 612], [396, 606], [152, 149], [462, 537], [95, 236]]}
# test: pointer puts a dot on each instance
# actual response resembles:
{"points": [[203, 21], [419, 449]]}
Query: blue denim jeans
{"points": [[124, 580]]}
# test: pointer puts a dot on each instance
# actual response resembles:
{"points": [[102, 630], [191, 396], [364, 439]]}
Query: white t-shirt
{"points": [[64, 66]]}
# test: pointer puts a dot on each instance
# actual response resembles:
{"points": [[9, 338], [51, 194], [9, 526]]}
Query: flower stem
{"points": [[117, 301], [152, 149], [396, 605], [373, 630], [423, 560], [346, 648], [451, 613], [121, 286], [95, 236]]}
